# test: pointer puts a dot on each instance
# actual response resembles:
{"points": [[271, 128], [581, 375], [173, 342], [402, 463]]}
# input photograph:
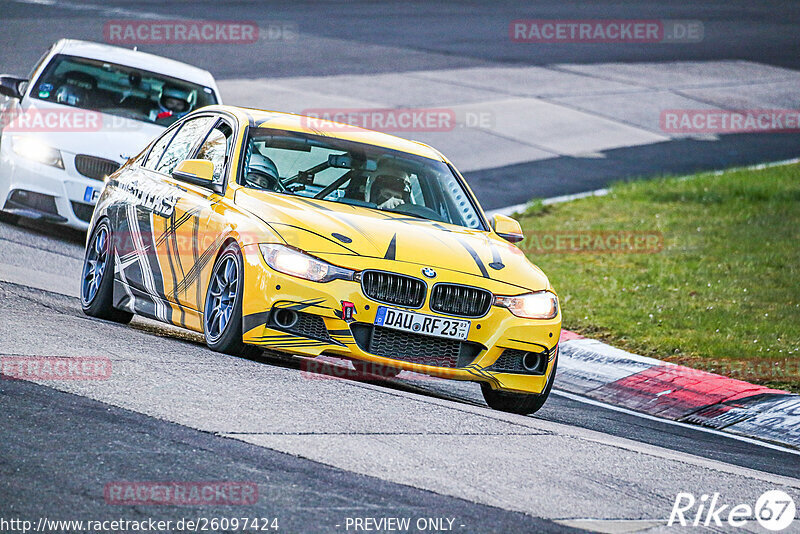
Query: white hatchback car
{"points": [[85, 109]]}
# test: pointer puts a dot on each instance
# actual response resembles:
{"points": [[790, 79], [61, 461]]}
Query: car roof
{"points": [[136, 59], [311, 125]]}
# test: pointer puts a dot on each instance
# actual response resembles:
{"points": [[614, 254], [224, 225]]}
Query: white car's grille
{"points": [[94, 167]]}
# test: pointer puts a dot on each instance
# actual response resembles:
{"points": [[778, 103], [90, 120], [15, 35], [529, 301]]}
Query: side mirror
{"points": [[507, 228], [198, 172], [11, 86]]}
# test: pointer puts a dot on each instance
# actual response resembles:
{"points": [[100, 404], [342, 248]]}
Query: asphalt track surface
{"points": [[323, 450]]}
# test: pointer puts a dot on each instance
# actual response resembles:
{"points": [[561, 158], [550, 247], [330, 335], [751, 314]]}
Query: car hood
{"points": [[329, 228], [78, 131]]}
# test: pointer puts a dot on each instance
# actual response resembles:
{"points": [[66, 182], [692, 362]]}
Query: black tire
{"points": [[369, 370], [228, 339], [518, 402], [97, 301]]}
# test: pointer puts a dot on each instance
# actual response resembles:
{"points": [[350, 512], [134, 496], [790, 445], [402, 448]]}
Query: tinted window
{"points": [[217, 148], [183, 143]]}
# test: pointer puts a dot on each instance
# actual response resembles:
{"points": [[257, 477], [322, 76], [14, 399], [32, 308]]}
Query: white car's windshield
{"points": [[358, 174], [119, 90]]}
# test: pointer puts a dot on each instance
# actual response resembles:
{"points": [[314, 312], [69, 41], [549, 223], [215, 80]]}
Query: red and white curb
{"points": [[599, 371]]}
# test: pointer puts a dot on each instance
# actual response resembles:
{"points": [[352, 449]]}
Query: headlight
{"points": [[31, 148], [539, 305], [293, 262]]}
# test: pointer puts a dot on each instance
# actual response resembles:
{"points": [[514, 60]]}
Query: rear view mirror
{"points": [[11, 86], [345, 161], [507, 228], [340, 161], [198, 172]]}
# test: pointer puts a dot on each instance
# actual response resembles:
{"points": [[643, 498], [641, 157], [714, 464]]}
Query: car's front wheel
{"points": [[520, 403], [97, 282], [222, 314]]}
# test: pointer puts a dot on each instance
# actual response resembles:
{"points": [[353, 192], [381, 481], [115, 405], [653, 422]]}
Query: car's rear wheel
{"points": [[97, 282], [222, 314], [518, 402]]}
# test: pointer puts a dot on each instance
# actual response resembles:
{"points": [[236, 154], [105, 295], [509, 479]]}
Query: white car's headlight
{"points": [[31, 148], [539, 305], [293, 262]]}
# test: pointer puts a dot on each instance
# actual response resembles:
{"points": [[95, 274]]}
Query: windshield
{"points": [[358, 174], [119, 90]]}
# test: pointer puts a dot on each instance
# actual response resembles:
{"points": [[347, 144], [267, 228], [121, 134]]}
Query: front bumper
{"points": [[497, 333], [51, 194]]}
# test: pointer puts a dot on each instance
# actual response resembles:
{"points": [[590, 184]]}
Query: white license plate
{"points": [[420, 323]]}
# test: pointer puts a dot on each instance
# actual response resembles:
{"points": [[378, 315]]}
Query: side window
{"points": [[158, 150], [217, 148], [182, 144]]}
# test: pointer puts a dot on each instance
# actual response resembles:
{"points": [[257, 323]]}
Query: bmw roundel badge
{"points": [[428, 272]]}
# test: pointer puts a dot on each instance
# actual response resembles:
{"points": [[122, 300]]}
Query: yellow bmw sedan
{"points": [[310, 237]]}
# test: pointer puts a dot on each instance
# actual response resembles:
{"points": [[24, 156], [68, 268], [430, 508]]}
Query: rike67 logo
{"points": [[774, 510]]}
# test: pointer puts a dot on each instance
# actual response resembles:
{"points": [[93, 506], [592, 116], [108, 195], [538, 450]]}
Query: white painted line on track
{"points": [[759, 166], [592, 402]]}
